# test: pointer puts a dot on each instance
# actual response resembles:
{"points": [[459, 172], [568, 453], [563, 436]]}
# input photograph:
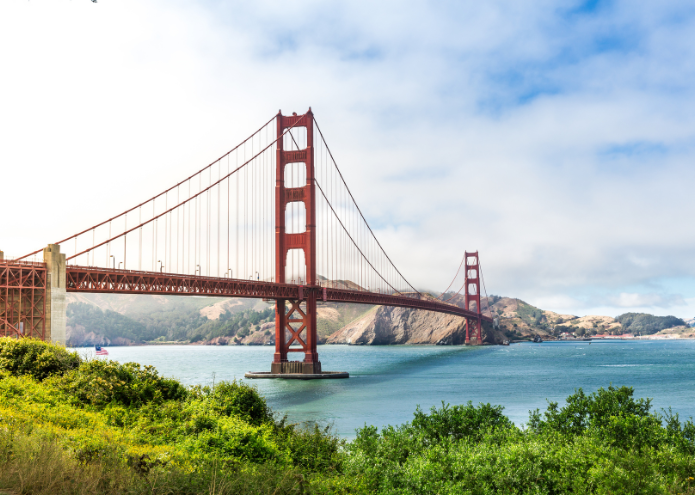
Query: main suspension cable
{"points": [[487, 300], [353, 241], [201, 191], [454, 279], [358, 208], [158, 195]]}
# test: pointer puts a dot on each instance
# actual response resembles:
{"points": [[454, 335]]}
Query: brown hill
{"points": [[384, 325], [516, 320]]}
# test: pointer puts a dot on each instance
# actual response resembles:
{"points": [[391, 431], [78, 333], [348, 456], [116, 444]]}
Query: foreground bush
{"points": [[101, 383], [35, 358], [70, 426], [605, 442]]}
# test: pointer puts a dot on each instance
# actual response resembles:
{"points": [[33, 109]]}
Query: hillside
{"points": [[114, 319], [517, 320], [109, 319]]}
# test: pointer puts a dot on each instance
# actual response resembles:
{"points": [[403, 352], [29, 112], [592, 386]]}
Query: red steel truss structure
{"points": [[23, 289], [472, 296], [100, 280], [296, 324], [273, 218]]}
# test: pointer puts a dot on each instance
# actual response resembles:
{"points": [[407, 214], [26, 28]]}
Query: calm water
{"points": [[387, 383]]}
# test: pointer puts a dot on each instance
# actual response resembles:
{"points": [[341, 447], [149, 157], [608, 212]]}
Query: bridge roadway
{"points": [[115, 281]]}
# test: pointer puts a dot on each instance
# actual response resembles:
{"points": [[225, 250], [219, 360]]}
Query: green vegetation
{"points": [[231, 324], [578, 331], [171, 325], [174, 324], [605, 442], [493, 299], [74, 426], [531, 315], [71, 426], [647, 324], [107, 323]]}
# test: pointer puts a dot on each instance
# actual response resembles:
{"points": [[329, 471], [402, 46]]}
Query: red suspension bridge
{"points": [[273, 218]]}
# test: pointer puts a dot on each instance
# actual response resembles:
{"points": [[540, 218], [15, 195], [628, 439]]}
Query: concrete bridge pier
{"points": [[56, 304]]}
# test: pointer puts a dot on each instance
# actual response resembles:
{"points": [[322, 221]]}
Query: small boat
{"points": [[505, 342], [537, 339]]}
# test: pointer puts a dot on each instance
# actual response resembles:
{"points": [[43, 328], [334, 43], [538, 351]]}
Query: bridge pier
{"points": [[296, 326], [56, 305]]}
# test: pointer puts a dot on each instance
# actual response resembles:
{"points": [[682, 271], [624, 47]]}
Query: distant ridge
{"points": [[130, 319]]}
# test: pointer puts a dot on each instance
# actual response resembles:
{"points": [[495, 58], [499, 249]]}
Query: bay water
{"points": [[387, 383]]}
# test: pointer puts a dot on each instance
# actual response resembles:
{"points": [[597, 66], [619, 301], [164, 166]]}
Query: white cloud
{"points": [[636, 300], [514, 128]]}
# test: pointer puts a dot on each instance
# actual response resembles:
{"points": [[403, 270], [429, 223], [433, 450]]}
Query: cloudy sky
{"points": [[556, 137]]}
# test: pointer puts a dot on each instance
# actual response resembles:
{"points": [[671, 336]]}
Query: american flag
{"points": [[101, 351]]}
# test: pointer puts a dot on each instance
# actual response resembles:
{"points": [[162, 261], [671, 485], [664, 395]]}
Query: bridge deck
{"points": [[100, 280]]}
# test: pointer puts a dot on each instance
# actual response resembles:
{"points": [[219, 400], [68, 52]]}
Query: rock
{"points": [[388, 325], [218, 341]]}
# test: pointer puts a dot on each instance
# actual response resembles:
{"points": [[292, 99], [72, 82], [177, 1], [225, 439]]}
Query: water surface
{"points": [[387, 382]]}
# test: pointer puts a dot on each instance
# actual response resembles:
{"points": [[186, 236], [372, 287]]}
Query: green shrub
{"points": [[612, 414], [311, 447], [241, 400], [606, 442], [35, 358], [457, 422], [101, 382]]}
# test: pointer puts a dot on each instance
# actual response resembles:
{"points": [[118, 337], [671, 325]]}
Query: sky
{"points": [[557, 138]]}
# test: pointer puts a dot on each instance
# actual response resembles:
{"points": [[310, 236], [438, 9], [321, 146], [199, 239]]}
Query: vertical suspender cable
{"points": [[254, 214], [237, 218], [246, 216], [228, 180], [208, 195], [166, 226], [188, 237], [125, 239], [219, 176]]}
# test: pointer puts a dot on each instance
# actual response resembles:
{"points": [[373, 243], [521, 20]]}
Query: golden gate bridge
{"points": [[273, 218]]}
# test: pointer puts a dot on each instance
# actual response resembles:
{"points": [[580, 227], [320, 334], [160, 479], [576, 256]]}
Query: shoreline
{"points": [[668, 337]]}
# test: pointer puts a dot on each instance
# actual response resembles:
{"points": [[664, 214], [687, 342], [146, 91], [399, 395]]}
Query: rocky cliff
{"points": [[387, 325]]}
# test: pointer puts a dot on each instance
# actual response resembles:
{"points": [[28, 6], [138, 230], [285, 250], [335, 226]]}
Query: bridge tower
{"points": [[295, 321], [472, 295]]}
